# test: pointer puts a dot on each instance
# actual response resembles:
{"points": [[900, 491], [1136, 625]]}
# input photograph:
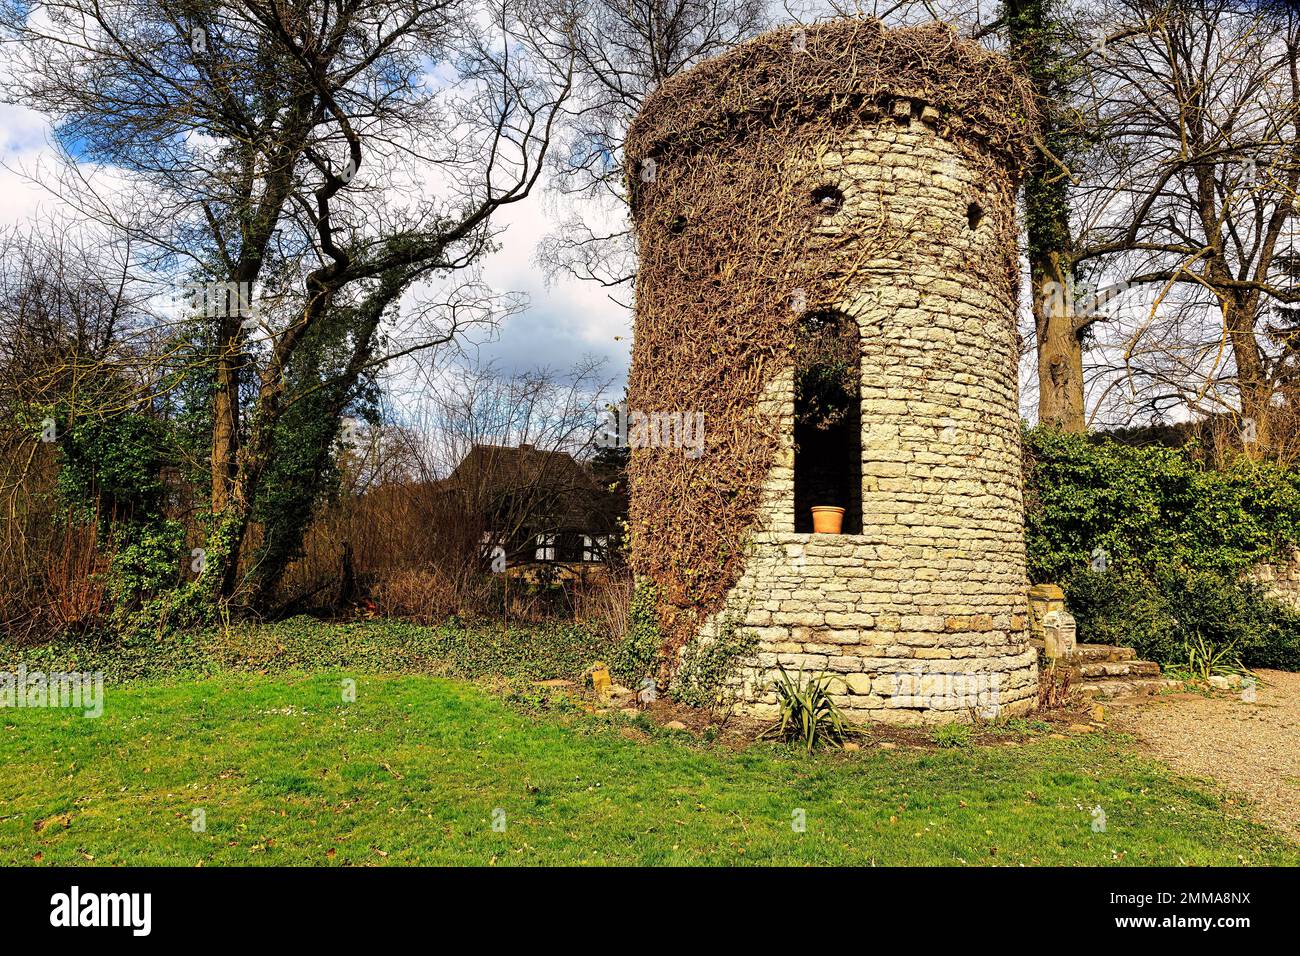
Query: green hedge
{"points": [[1163, 613], [1178, 536], [1153, 506]]}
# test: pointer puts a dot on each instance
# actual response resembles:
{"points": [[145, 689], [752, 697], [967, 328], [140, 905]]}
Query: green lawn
{"points": [[288, 773]]}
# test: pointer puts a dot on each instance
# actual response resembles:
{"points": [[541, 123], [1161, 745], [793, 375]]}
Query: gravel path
{"points": [[1251, 748]]}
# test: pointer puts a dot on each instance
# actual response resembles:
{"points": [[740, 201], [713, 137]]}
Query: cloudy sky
{"points": [[566, 322], [23, 142], [566, 319]]}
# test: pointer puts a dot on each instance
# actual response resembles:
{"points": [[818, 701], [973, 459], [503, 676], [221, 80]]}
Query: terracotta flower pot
{"points": [[827, 519]]}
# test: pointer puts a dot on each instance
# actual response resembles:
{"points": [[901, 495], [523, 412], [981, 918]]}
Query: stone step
{"points": [[1109, 672], [1113, 687], [1093, 653], [1094, 670]]}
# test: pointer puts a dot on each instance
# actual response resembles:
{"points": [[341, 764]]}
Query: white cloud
{"points": [[25, 145], [568, 318]]}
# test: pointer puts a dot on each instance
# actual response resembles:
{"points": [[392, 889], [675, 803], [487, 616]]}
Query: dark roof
{"points": [[568, 490], [516, 465]]}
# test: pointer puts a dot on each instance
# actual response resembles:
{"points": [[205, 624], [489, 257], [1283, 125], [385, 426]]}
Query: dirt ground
{"points": [[1252, 748]]}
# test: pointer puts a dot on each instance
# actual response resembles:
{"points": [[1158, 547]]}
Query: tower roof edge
{"points": [[827, 68]]}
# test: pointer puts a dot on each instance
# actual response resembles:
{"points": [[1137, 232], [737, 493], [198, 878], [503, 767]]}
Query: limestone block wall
{"points": [[1281, 579], [922, 617]]}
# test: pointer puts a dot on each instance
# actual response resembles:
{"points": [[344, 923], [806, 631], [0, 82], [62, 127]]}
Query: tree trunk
{"points": [[1031, 29], [225, 416], [1060, 351], [232, 524], [1253, 385]]}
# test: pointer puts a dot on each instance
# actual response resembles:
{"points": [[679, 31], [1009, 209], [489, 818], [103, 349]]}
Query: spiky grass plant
{"points": [[1203, 659], [808, 714]]}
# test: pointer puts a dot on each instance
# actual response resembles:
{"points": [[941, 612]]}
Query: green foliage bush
{"points": [[637, 655], [530, 651], [112, 467], [111, 473], [709, 664], [166, 614], [809, 715], [146, 563], [1124, 608], [1155, 506], [1166, 613], [1179, 537]]}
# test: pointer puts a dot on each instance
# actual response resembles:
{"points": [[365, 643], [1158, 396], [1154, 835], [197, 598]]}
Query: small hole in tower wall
{"points": [[827, 198], [677, 225], [974, 215]]}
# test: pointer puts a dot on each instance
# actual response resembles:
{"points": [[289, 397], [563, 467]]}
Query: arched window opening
{"points": [[827, 420]]}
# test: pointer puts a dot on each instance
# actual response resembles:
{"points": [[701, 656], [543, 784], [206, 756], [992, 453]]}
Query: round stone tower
{"points": [[863, 180]]}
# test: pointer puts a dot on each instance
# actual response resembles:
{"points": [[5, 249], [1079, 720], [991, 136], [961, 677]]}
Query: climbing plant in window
{"points": [[826, 369]]}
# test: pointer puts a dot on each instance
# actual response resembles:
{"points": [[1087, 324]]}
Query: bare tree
{"points": [[512, 452], [1192, 197], [274, 151], [478, 459], [67, 300], [621, 50]]}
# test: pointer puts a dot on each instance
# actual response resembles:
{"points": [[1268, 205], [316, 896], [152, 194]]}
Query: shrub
{"points": [[808, 715], [145, 564], [112, 467], [426, 596], [1179, 537], [1125, 608], [1152, 506], [637, 655], [1278, 638], [528, 651], [1203, 660], [1175, 616], [709, 664], [110, 474]]}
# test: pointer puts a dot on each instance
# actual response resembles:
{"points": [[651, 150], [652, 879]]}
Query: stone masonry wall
{"points": [[1281, 579], [921, 618]]}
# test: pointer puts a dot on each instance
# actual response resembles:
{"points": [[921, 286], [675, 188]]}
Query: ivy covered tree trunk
{"points": [[225, 415], [1254, 383], [1032, 28], [231, 526], [303, 473], [286, 462]]}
